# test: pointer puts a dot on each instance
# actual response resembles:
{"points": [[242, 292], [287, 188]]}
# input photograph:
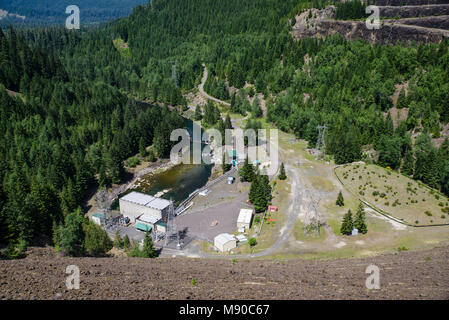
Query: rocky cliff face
{"points": [[429, 24], [413, 11], [407, 2]]}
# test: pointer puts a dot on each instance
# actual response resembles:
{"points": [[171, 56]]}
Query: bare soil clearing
{"points": [[405, 275]]}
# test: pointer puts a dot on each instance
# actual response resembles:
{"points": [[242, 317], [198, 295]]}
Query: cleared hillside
{"points": [[404, 275], [401, 197]]}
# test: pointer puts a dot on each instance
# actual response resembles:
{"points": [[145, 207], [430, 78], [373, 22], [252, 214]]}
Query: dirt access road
{"points": [[204, 93], [296, 199], [405, 275]]}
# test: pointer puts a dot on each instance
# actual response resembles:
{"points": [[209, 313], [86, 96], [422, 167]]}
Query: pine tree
{"points": [[151, 156], [126, 243], [260, 192], [408, 164], [225, 166], [142, 149], [256, 109], [359, 220], [96, 242], [233, 103], [228, 122], [247, 171], [148, 248], [198, 116], [347, 225], [118, 242], [282, 175], [340, 200], [72, 234]]}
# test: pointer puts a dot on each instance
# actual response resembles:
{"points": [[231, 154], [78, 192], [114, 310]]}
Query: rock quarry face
{"points": [[420, 24]]}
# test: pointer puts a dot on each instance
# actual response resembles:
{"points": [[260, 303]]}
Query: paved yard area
{"points": [[199, 223], [222, 204], [133, 234]]}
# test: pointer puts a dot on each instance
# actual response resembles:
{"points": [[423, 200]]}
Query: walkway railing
{"points": [[180, 208]]}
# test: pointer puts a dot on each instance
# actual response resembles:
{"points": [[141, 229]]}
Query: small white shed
{"points": [[225, 242], [244, 219]]}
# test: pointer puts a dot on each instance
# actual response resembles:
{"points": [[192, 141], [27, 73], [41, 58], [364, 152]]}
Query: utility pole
{"points": [[174, 63], [321, 144]]}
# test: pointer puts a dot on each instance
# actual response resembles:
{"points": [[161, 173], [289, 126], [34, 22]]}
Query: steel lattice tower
{"points": [[321, 145], [172, 228], [312, 219], [173, 71]]}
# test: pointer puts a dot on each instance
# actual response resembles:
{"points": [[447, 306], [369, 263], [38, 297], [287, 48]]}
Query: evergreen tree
{"points": [[260, 192], [96, 242], [126, 243], [225, 166], [233, 103], [340, 200], [118, 241], [408, 164], [247, 171], [228, 122], [198, 116], [142, 149], [282, 175], [359, 220], [135, 251], [72, 234], [148, 248], [151, 156], [256, 109], [347, 225]]}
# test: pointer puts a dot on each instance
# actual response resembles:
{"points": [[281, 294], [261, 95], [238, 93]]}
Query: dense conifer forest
{"points": [[50, 12], [76, 120]]}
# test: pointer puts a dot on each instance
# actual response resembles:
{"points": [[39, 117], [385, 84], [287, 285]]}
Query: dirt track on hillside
{"points": [[405, 275]]}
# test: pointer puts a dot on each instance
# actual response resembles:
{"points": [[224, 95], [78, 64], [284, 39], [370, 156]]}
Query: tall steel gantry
{"points": [[321, 144], [174, 64], [172, 228]]}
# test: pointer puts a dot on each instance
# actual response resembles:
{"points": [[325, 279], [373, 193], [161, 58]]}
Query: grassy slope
{"points": [[403, 198]]}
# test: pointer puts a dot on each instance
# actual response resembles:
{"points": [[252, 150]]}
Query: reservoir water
{"points": [[180, 180]]}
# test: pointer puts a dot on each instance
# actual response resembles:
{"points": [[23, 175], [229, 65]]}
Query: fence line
{"points": [[183, 204]]}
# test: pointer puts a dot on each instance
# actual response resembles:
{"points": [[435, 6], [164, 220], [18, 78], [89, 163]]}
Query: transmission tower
{"points": [[173, 71], [321, 145], [172, 228], [312, 220]]}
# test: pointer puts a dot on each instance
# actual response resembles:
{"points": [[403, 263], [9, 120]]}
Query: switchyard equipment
{"points": [[172, 233]]}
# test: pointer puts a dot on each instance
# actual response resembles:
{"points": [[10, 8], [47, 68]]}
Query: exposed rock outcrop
{"points": [[424, 27]]}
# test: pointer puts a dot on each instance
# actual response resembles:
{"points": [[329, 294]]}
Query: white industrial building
{"points": [[144, 210], [225, 242], [245, 218]]}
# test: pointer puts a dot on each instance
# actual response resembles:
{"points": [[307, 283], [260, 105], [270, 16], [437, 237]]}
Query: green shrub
{"points": [[132, 162], [252, 242]]}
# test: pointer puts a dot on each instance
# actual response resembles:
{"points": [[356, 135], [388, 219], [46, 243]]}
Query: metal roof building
{"points": [[244, 219], [146, 200], [225, 242], [143, 208]]}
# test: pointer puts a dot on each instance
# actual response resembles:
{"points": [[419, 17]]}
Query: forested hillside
{"points": [[48, 12], [61, 136], [75, 121]]}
